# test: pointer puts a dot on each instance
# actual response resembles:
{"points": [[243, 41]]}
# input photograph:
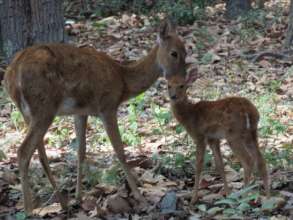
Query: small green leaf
{"points": [[202, 207], [229, 211], [20, 216], [251, 197], [214, 210], [238, 194], [227, 201], [2, 155], [244, 206], [268, 204]]}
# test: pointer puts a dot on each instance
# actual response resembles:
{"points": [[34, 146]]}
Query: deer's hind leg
{"points": [[239, 149], [38, 126], [251, 141], [80, 129], [28, 118]]}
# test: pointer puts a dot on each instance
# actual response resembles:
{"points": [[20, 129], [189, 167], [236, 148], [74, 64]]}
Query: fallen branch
{"points": [[284, 55]]}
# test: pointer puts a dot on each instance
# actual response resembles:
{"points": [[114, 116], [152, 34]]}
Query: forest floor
{"points": [[159, 148]]}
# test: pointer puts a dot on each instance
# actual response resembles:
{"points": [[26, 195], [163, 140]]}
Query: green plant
{"points": [[239, 203], [2, 155], [274, 85], [204, 37], [247, 34], [17, 119], [281, 157], [269, 124], [251, 25], [182, 12], [60, 134], [161, 114], [129, 131], [20, 216], [111, 175]]}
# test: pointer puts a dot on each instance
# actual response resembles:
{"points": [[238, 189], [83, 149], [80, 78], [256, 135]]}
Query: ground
{"points": [[159, 148]]}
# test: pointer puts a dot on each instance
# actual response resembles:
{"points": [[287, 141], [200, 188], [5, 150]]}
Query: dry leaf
{"points": [[50, 209]]}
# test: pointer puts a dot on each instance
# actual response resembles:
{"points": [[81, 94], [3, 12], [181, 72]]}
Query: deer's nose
{"points": [[173, 97]]}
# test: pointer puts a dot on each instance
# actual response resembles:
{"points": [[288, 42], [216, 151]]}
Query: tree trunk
{"points": [[26, 22], [289, 33], [235, 8]]}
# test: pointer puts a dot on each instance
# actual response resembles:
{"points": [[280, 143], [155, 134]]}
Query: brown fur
{"points": [[234, 119], [60, 79]]}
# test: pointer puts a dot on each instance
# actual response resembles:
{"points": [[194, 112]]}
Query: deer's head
{"points": [[171, 52]]}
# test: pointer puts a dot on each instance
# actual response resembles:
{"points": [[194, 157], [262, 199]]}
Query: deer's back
{"points": [[69, 78], [229, 115], [219, 118]]}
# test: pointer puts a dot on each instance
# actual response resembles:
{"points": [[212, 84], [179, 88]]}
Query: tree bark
{"points": [[26, 22], [289, 33], [235, 8]]}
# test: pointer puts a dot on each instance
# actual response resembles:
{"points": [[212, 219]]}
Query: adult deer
{"points": [[61, 79], [207, 122]]}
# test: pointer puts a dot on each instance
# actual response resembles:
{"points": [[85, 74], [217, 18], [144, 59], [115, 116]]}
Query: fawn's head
{"points": [[177, 87], [171, 52], [178, 84]]}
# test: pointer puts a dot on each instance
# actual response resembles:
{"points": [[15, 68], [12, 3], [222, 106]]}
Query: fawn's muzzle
{"points": [[173, 97]]}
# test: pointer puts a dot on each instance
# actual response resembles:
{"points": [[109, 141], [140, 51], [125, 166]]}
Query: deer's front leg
{"points": [[110, 123], [200, 151], [80, 130], [220, 167]]}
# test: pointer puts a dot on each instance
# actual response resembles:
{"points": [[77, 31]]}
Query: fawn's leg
{"points": [[80, 130], [215, 146], [200, 151], [238, 148], [252, 146], [33, 140], [45, 163], [110, 123]]}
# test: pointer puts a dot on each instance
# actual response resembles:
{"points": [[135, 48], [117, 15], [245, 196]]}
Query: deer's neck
{"points": [[139, 76], [185, 113]]}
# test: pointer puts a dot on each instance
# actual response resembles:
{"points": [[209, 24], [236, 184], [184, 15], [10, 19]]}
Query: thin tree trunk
{"points": [[289, 33], [26, 22]]}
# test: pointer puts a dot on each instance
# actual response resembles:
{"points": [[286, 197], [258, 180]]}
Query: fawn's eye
{"points": [[169, 87], [181, 86], [174, 54]]}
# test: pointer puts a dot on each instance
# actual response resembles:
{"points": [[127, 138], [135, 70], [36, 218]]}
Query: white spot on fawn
{"points": [[25, 107], [247, 121]]}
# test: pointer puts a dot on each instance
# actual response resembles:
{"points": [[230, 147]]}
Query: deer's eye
{"points": [[174, 54], [181, 86], [169, 87]]}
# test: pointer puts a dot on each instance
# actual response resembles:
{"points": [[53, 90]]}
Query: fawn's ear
{"points": [[167, 27], [192, 76]]}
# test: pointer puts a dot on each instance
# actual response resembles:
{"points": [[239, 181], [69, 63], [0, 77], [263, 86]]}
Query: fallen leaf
{"points": [[53, 208], [117, 204], [211, 197]]}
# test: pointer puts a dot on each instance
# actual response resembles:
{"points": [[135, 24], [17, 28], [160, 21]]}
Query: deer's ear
{"points": [[192, 76], [167, 27]]}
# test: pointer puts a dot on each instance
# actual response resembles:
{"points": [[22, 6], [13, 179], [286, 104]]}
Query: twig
{"points": [[283, 55]]}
